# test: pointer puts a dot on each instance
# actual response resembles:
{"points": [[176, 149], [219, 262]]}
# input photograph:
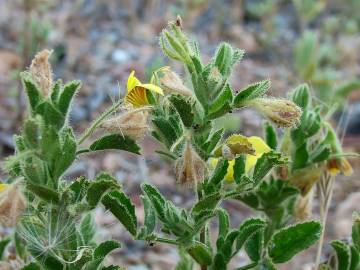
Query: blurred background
{"points": [[101, 41]]}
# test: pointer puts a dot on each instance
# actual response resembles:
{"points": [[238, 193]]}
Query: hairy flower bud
{"points": [[172, 82], [131, 122], [12, 205], [190, 169], [41, 71], [282, 112]]}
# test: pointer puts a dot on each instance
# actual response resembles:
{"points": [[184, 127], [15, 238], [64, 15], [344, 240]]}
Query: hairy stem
{"points": [[325, 189], [203, 231], [98, 121]]}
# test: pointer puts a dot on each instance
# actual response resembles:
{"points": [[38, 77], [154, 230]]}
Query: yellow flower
{"points": [[3, 187], [137, 91], [257, 144], [339, 165]]}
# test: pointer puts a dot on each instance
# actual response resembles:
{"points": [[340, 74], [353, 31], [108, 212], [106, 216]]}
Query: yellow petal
{"points": [[259, 145], [132, 81], [3, 187], [346, 168], [230, 171], [260, 148], [153, 88], [137, 97]]}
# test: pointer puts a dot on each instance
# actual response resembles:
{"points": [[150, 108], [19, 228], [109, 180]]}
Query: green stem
{"points": [[203, 231], [166, 241], [248, 266], [98, 121]]}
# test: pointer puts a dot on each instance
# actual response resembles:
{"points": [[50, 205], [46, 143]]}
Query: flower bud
{"points": [[282, 112], [171, 82], [12, 205], [41, 71], [190, 169], [131, 122]]}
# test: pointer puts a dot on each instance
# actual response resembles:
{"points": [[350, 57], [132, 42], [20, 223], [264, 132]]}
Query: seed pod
{"points": [[303, 207], [172, 82], [131, 122], [41, 71], [304, 179], [12, 205], [190, 169], [284, 113]]}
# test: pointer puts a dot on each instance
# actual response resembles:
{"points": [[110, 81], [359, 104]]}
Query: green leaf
{"points": [[219, 262], [346, 88], [213, 140], [105, 248], [239, 168], [223, 59], [185, 262], [301, 157], [270, 135], [55, 92], [101, 185], [252, 91], [67, 155], [289, 241], [87, 229], [51, 115], [149, 220], [265, 163], [301, 96], [67, 95], [20, 246], [122, 208], [115, 141], [32, 91], [156, 199], [320, 153], [206, 203], [219, 172], [355, 258], [356, 232], [343, 254], [166, 132], [201, 253], [222, 103], [184, 108], [3, 243], [247, 229], [224, 222], [254, 245], [43, 192], [31, 133]]}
